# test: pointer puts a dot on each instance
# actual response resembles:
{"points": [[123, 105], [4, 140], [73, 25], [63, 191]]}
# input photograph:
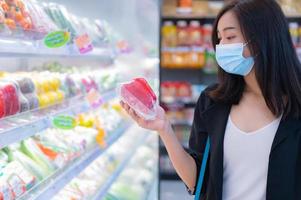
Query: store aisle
{"points": [[174, 190]]}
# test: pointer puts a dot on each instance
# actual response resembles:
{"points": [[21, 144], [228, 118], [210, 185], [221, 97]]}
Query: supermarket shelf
{"points": [[208, 17], [51, 186], [153, 193], [17, 47], [169, 176], [105, 188], [181, 104], [193, 76], [200, 10], [24, 125]]}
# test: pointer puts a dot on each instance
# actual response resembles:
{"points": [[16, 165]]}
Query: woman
{"points": [[252, 116]]}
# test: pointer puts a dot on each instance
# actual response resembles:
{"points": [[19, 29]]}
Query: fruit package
{"points": [[140, 97], [9, 99]]}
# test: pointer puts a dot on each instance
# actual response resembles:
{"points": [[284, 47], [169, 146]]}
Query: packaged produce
{"points": [[139, 96], [28, 163], [18, 178], [24, 104], [41, 21], [30, 148], [11, 97], [2, 104], [4, 30], [33, 100], [26, 84], [182, 33], [6, 192], [19, 13], [195, 33], [169, 34]]}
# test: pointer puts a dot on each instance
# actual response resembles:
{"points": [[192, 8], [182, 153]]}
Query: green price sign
{"points": [[64, 122], [57, 39]]}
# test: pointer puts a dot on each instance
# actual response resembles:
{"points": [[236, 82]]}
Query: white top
{"points": [[246, 160]]}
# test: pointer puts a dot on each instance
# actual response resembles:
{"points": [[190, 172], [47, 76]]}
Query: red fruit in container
{"points": [[2, 104], [12, 103], [139, 96]]}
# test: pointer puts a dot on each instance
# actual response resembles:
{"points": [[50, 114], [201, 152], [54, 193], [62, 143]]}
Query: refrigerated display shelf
{"points": [[22, 126], [18, 47], [105, 188], [52, 185], [153, 193]]}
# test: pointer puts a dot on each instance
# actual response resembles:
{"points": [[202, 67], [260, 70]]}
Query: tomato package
{"points": [[140, 97]]}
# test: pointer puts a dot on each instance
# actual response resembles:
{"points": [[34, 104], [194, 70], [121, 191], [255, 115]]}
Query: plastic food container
{"points": [[140, 97], [11, 97]]}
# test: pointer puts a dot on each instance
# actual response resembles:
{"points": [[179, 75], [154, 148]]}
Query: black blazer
{"points": [[284, 171]]}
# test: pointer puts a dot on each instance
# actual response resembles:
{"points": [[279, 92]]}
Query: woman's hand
{"points": [[159, 124]]}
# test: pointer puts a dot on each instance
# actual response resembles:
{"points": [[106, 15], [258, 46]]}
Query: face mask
{"points": [[230, 58]]}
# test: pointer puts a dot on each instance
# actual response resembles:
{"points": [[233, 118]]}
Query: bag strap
{"points": [[202, 171]]}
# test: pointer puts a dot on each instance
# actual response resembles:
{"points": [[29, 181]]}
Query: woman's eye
{"points": [[230, 38]]}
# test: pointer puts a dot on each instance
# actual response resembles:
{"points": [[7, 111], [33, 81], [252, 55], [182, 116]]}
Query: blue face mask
{"points": [[230, 58]]}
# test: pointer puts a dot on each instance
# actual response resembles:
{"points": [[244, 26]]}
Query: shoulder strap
{"points": [[202, 171]]}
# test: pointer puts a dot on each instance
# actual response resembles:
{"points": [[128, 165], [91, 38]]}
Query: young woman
{"points": [[252, 116]]}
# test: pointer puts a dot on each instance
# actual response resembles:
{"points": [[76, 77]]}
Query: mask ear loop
{"points": [[246, 43]]}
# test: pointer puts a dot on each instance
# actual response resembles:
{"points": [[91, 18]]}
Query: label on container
{"points": [[64, 122], [6, 193], [83, 43], [57, 39], [94, 98], [17, 185]]}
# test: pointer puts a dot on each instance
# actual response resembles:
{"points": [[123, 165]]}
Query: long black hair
{"points": [[277, 68]]}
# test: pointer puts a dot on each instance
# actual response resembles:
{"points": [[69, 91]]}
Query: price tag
{"points": [[83, 43], [94, 98], [64, 122], [57, 39]]}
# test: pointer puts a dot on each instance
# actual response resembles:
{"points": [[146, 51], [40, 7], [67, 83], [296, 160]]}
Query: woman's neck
{"points": [[252, 85]]}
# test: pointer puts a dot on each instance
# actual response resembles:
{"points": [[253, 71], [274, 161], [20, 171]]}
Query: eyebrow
{"points": [[227, 28]]}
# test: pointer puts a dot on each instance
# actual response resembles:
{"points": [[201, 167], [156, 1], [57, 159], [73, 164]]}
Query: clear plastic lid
{"points": [[140, 97]]}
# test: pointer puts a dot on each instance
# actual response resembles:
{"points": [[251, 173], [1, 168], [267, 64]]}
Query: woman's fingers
{"points": [[124, 106], [132, 113]]}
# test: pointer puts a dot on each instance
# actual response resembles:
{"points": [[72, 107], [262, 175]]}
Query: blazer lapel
{"points": [[286, 127], [215, 118]]}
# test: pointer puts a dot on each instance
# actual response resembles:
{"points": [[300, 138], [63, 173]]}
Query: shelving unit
{"points": [[153, 193], [50, 186], [55, 76], [17, 47], [24, 125], [105, 188], [193, 76]]}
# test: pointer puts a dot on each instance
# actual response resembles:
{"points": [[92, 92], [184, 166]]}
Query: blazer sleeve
{"points": [[298, 171], [198, 138]]}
